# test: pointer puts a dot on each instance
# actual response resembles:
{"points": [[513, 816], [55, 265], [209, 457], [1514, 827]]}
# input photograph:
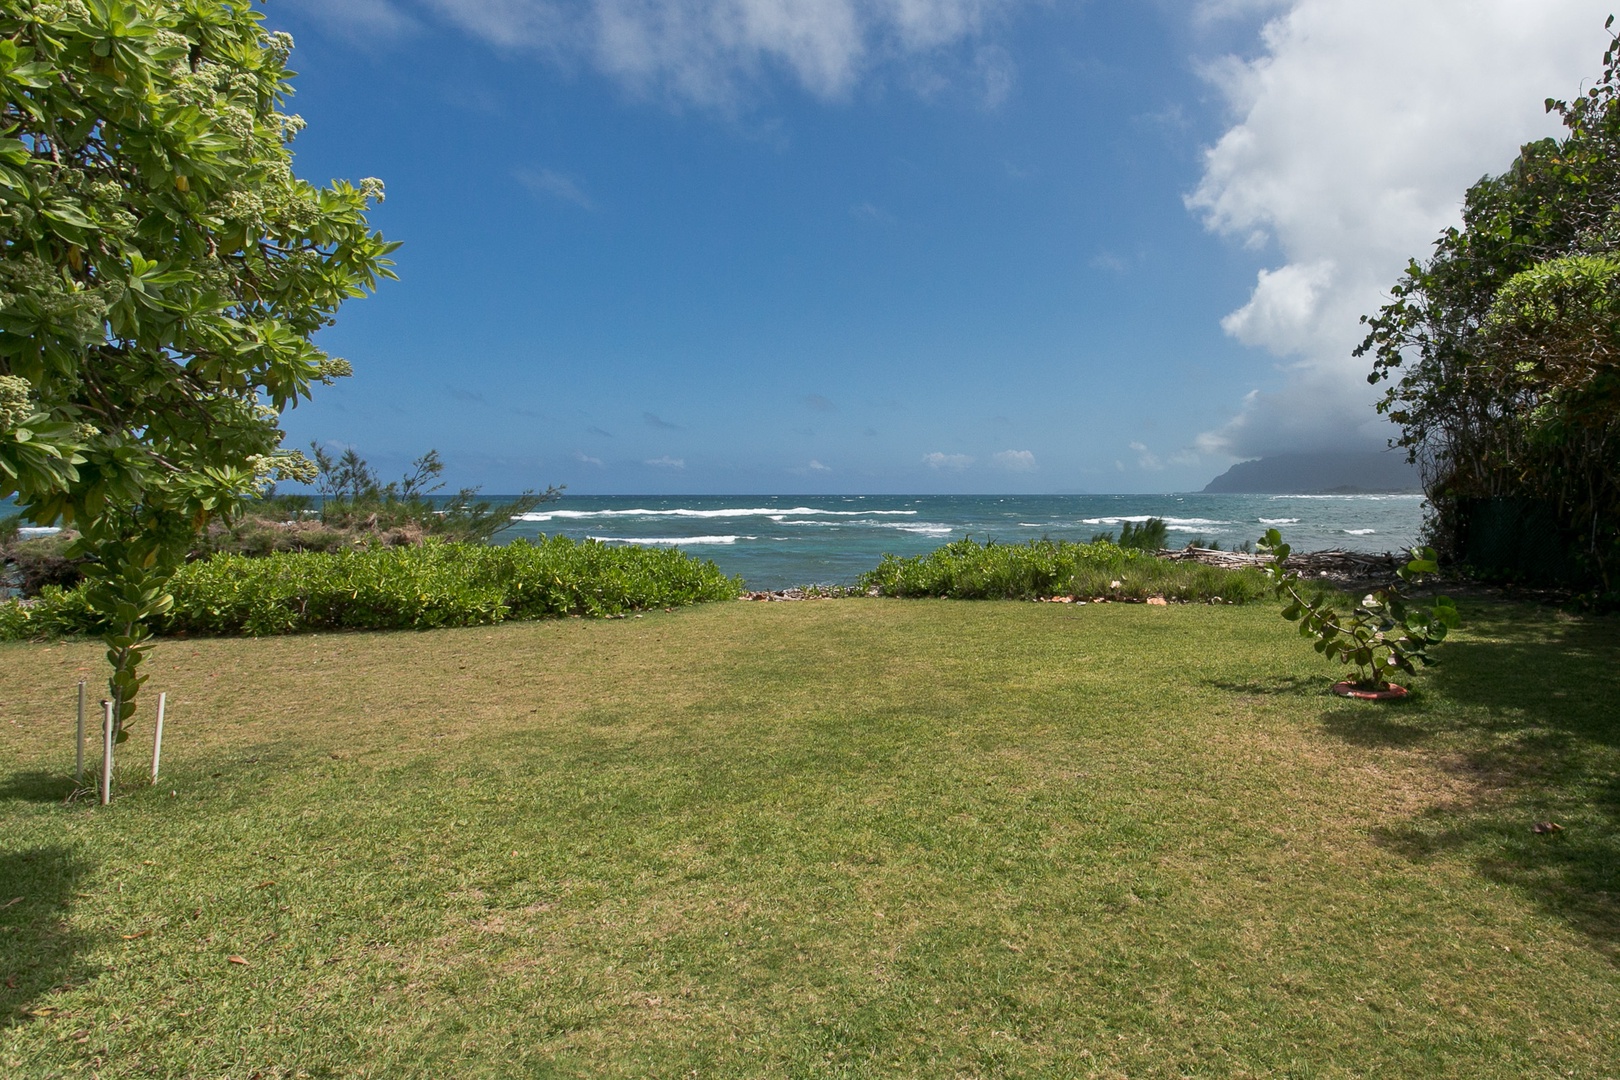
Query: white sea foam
{"points": [[923, 528], [28, 531], [1360, 532], [672, 540], [1364, 497], [1179, 524], [1279, 521], [775, 512]]}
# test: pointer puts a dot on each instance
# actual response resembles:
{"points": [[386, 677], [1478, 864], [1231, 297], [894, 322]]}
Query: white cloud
{"points": [[556, 185], [1284, 308], [1359, 128], [816, 466], [666, 462], [1145, 458], [1214, 11], [585, 459], [1014, 460], [938, 460], [997, 74], [364, 22], [1107, 260], [704, 51]]}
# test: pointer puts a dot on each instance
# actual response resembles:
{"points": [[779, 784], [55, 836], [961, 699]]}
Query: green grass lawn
{"points": [[852, 838]]}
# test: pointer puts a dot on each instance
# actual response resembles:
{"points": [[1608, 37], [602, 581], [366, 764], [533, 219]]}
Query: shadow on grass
{"points": [[1524, 709], [1272, 685], [38, 785], [1374, 724], [36, 952]]}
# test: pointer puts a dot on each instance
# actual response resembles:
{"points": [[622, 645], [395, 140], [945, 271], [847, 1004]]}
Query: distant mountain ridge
{"points": [[1351, 473]]}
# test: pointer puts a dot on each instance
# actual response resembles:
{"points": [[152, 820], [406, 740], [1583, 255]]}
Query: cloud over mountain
{"points": [[1359, 128]]}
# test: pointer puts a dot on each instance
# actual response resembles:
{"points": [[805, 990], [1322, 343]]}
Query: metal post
{"points": [[157, 736], [106, 752], [78, 743]]}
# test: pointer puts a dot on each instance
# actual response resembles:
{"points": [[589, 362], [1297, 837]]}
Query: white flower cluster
{"points": [[16, 404]]}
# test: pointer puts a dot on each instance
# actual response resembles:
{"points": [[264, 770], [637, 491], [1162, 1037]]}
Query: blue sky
{"points": [[807, 246]]}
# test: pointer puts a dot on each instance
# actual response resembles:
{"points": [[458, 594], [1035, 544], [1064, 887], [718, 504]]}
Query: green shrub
{"points": [[969, 570], [416, 587], [14, 625], [1382, 634], [1150, 535]]}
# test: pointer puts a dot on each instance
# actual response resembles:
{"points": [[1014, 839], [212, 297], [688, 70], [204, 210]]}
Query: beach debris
{"points": [[1346, 565], [1545, 828], [809, 592], [1153, 601]]}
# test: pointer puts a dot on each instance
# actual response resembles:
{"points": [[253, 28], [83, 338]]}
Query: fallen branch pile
{"points": [[1336, 565]]}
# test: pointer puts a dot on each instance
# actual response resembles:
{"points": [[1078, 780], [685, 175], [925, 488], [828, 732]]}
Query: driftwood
{"points": [[1334, 565], [810, 592], [1338, 567]]}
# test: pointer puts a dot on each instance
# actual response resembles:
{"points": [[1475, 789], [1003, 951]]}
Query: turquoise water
{"points": [[776, 542]]}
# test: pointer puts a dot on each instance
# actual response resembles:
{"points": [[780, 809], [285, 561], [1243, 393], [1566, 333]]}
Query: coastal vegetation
{"points": [[1149, 535], [352, 499], [1502, 354], [434, 583], [853, 839], [401, 579], [352, 509], [971, 570]]}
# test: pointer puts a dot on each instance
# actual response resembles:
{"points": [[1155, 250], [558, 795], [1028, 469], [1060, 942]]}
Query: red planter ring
{"points": [[1351, 690]]}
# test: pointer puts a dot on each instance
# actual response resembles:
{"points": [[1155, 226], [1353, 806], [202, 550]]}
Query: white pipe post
{"points": [[78, 745], [106, 752], [157, 737]]}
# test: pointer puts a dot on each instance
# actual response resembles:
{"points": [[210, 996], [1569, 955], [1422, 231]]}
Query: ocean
{"points": [[779, 542]]}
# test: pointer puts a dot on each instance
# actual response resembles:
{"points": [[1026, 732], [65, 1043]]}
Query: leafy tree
{"points": [[1502, 348], [162, 272]]}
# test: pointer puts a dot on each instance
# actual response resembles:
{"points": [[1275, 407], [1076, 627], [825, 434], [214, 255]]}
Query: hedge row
{"points": [[969, 570], [435, 584]]}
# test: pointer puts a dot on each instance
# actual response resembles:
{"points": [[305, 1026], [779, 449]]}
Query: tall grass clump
{"points": [[969, 570], [397, 588]]}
